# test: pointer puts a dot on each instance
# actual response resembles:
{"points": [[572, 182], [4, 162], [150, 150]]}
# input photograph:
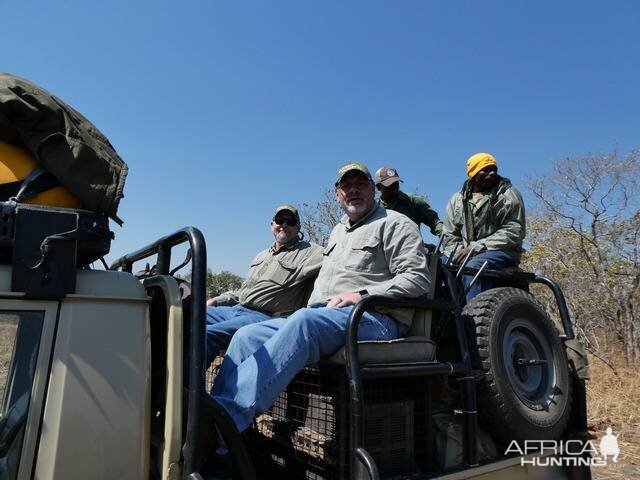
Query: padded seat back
{"points": [[422, 319]]}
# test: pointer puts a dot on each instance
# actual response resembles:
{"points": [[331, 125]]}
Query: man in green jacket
{"points": [[413, 206], [485, 219]]}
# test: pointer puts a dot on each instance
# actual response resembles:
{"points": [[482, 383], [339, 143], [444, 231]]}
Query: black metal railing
{"points": [[356, 372]]}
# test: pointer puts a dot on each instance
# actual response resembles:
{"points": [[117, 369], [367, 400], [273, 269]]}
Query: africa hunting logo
{"points": [[547, 453]]}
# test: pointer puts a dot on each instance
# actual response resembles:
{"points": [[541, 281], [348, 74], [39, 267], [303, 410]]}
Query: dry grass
{"points": [[614, 400], [8, 327]]}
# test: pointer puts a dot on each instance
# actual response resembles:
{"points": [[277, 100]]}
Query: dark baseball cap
{"points": [[288, 208]]}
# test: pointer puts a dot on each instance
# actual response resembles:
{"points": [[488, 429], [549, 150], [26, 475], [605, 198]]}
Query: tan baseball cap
{"points": [[386, 176], [289, 208], [350, 167]]}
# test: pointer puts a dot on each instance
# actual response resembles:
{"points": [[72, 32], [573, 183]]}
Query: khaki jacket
{"points": [[498, 221], [278, 282]]}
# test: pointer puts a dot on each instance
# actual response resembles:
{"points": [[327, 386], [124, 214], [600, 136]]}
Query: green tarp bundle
{"points": [[65, 143]]}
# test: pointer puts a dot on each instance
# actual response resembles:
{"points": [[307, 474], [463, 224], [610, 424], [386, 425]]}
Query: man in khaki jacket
{"points": [[279, 281], [370, 251], [485, 219]]}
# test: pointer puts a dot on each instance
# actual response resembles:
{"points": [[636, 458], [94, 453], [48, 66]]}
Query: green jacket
{"points": [[497, 220], [417, 209], [65, 143]]}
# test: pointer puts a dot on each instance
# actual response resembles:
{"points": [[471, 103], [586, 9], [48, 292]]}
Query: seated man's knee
{"points": [[304, 322], [475, 262], [243, 334], [215, 315], [243, 344]]}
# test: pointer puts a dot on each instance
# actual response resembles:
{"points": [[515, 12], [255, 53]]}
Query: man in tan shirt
{"points": [[370, 251], [279, 281]]}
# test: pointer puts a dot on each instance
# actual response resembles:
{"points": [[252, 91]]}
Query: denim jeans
{"points": [[263, 358], [223, 322], [496, 260]]}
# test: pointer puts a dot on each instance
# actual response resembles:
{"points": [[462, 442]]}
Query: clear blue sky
{"points": [[223, 110]]}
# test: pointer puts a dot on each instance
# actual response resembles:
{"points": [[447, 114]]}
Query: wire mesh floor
{"points": [[305, 433]]}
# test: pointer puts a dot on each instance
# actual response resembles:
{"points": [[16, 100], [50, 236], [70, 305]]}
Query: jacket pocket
{"points": [[364, 254], [256, 270], [282, 272], [327, 251], [255, 265]]}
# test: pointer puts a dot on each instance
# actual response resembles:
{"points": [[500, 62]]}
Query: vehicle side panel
{"points": [[96, 417]]}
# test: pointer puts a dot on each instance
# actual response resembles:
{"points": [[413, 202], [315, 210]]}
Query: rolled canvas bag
{"points": [[64, 142]]}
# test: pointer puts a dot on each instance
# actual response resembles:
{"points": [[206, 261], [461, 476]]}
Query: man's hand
{"points": [[345, 299], [461, 254], [212, 302]]}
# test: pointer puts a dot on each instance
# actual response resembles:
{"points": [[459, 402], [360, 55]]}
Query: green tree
{"points": [[318, 219], [218, 283]]}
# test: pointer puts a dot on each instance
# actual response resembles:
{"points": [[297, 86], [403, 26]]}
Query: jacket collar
{"points": [[502, 185], [402, 197], [377, 210], [290, 245]]}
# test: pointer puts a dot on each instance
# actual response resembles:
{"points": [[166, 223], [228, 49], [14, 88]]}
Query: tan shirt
{"points": [[382, 254], [280, 281]]}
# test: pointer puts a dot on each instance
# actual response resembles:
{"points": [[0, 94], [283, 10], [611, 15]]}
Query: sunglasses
{"points": [[290, 222]]}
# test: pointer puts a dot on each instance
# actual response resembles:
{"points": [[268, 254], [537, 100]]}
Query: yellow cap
{"points": [[16, 163], [479, 161]]}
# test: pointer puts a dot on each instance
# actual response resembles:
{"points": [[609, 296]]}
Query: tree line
{"points": [[584, 231]]}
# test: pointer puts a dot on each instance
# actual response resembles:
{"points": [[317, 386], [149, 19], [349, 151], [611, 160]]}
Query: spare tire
{"points": [[525, 392]]}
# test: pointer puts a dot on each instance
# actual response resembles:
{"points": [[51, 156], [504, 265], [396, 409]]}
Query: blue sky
{"points": [[223, 110]]}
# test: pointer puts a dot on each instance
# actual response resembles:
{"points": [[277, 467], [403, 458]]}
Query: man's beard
{"points": [[355, 209], [282, 238]]}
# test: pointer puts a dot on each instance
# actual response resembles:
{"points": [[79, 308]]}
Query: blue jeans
{"points": [[223, 322], [496, 260], [263, 358]]}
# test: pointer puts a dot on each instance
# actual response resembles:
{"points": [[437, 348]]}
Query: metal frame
{"points": [[171, 449], [355, 372], [196, 388], [361, 460], [529, 277]]}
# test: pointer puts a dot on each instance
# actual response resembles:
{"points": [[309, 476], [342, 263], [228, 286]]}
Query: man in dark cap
{"points": [[413, 206], [279, 281], [370, 251]]}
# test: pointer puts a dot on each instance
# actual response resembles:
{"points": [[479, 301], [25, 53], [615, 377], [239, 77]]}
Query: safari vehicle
{"points": [[103, 373]]}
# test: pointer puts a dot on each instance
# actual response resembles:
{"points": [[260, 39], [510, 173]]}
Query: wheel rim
{"points": [[535, 385]]}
